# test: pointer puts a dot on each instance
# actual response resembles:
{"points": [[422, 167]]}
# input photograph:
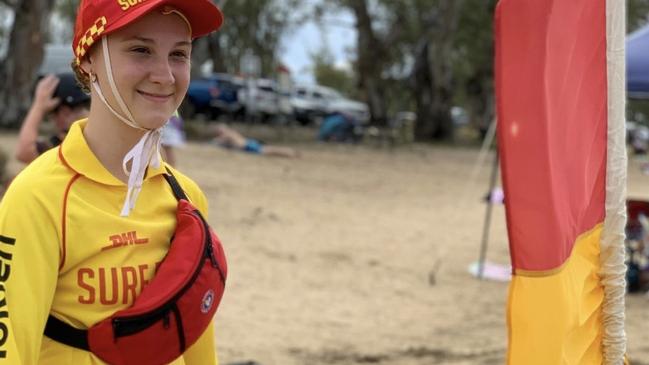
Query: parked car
{"points": [[259, 97], [263, 99], [308, 104], [358, 110], [313, 102], [213, 96]]}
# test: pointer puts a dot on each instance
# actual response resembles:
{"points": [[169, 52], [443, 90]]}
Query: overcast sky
{"points": [[308, 39]]}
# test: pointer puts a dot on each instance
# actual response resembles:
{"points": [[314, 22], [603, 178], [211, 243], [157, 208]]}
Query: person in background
{"points": [[227, 137], [173, 136], [339, 126], [59, 99]]}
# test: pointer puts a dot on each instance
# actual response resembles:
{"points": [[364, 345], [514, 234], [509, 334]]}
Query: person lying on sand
{"points": [[230, 138]]}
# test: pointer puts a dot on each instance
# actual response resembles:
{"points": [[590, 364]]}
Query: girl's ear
{"points": [[86, 65]]}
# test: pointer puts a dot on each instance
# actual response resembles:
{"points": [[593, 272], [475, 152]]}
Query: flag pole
{"points": [[487, 220]]}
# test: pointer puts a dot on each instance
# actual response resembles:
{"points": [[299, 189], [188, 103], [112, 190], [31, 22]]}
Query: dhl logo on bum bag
{"points": [[172, 311]]}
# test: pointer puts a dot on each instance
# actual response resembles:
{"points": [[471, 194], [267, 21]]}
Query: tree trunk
{"points": [[423, 93], [433, 74], [433, 98], [214, 47], [370, 51], [480, 94], [24, 57], [200, 54]]}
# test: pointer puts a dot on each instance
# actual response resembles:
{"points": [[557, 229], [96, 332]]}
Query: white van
{"points": [[311, 102], [263, 98]]}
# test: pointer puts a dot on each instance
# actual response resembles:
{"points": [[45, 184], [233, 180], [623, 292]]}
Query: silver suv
{"points": [[263, 98], [312, 102]]}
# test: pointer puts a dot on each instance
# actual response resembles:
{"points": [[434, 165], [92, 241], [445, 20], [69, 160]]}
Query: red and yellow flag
{"points": [[560, 96]]}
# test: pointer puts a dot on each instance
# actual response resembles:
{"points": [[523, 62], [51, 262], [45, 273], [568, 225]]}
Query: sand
{"points": [[358, 254]]}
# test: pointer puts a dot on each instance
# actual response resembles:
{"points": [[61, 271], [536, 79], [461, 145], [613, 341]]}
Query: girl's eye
{"points": [[142, 50], [179, 54]]}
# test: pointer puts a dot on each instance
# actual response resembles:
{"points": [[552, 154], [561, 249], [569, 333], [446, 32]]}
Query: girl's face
{"points": [[150, 61]]}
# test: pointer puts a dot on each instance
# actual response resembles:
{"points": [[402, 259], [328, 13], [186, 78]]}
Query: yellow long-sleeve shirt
{"points": [[65, 250]]}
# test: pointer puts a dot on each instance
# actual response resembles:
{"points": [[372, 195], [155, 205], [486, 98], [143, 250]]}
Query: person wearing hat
{"points": [[59, 98], [84, 227]]}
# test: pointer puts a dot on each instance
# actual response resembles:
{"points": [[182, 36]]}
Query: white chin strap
{"points": [[145, 153]]}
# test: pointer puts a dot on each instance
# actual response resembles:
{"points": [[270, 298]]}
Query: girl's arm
{"points": [[29, 259], [203, 351]]}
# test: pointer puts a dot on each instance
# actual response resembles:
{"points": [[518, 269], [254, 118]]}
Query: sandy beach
{"points": [[358, 254]]}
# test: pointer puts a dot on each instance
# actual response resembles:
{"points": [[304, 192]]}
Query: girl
{"points": [[84, 228]]}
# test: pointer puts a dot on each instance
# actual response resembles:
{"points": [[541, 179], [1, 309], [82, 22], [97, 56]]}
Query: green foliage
{"points": [[327, 74], [637, 13], [459, 33], [67, 9], [474, 60], [256, 26], [637, 16]]}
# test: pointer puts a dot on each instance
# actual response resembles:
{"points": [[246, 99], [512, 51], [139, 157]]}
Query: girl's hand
{"points": [[44, 95]]}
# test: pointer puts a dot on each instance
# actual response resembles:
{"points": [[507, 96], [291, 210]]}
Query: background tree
{"points": [[637, 14], [371, 49], [6, 20], [208, 48], [326, 73], [405, 58], [23, 58], [251, 26], [67, 12], [475, 61], [435, 79], [422, 55], [377, 32]]}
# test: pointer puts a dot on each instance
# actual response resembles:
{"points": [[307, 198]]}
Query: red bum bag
{"points": [[172, 311]]}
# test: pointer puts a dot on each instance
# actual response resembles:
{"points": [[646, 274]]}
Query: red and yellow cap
{"points": [[97, 18]]}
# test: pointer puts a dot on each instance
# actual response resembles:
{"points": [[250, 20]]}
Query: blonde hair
{"points": [[83, 79]]}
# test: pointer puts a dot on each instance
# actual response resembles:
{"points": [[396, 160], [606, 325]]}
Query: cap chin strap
{"points": [[145, 153]]}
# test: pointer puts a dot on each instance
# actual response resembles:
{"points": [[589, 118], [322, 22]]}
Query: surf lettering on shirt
{"points": [[5, 272], [124, 239], [109, 286]]}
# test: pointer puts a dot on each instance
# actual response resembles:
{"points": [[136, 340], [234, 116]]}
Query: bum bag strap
{"points": [[62, 332], [175, 186]]}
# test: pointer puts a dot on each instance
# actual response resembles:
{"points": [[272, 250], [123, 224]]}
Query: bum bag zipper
{"points": [[144, 320], [210, 249]]}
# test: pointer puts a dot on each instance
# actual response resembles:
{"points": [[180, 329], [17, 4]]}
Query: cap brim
{"points": [[203, 16]]}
